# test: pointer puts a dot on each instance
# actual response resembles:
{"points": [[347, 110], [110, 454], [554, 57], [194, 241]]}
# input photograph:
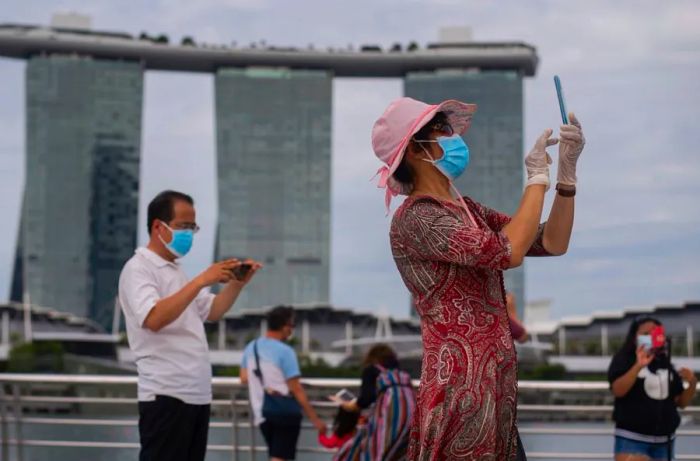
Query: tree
{"points": [[44, 357]]}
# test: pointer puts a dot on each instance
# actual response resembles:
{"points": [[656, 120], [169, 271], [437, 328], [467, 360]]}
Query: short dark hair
{"points": [[404, 173], [279, 317], [162, 207]]}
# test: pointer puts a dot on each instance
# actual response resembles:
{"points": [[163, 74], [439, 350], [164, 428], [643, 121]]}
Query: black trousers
{"points": [[172, 430]]}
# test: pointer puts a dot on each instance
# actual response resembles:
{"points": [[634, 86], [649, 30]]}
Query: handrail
{"points": [[317, 382], [13, 403]]}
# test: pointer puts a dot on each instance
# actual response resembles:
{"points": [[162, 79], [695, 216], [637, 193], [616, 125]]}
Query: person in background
{"points": [[344, 427], [279, 369], [387, 394], [165, 314], [648, 392], [517, 329]]}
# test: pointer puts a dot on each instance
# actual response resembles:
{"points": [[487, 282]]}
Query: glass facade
{"points": [[495, 139], [273, 129], [80, 205]]}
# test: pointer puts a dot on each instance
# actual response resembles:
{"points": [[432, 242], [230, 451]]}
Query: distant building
{"points": [[79, 214], [602, 333], [273, 122], [274, 169], [495, 173]]}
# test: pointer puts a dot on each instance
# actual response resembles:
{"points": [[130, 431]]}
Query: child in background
{"points": [[344, 426]]}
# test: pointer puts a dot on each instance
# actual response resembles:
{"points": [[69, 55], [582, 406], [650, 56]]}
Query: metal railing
{"points": [[13, 402]]}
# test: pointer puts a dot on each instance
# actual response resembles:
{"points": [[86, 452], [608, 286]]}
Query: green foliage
{"points": [[42, 357], [545, 372], [233, 371], [320, 369]]}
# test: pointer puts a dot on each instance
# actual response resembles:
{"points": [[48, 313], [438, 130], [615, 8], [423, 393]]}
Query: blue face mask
{"points": [[181, 243], [455, 157]]}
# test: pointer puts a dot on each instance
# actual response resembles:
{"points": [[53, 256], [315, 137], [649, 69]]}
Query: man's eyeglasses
{"points": [[186, 226]]}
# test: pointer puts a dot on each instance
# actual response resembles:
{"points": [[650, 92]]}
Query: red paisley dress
{"points": [[466, 405]]}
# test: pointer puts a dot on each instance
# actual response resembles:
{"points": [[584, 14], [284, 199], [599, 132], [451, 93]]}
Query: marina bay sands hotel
{"points": [[84, 98]]}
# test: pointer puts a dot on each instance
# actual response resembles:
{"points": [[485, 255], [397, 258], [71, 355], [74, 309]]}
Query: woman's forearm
{"points": [[522, 229], [557, 230]]}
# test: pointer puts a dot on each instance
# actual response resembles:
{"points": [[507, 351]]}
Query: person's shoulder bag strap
{"points": [[258, 370]]}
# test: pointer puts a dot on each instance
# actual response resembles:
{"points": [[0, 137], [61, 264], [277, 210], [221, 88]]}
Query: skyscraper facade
{"points": [[273, 130], [495, 173], [79, 214]]}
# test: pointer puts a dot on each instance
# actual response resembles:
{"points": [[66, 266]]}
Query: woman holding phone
{"points": [[387, 395], [450, 252], [647, 398]]}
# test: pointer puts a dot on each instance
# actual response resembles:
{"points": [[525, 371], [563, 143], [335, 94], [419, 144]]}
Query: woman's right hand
{"points": [[644, 357]]}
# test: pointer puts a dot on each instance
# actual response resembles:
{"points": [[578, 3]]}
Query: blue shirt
{"points": [[278, 363]]}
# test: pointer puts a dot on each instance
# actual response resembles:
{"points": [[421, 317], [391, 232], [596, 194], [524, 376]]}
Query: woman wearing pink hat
{"points": [[451, 253]]}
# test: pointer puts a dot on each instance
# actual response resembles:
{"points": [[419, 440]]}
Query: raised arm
{"points": [[557, 232]]}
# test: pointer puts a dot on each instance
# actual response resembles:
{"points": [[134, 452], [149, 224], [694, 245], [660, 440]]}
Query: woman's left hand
{"points": [[350, 406], [571, 142]]}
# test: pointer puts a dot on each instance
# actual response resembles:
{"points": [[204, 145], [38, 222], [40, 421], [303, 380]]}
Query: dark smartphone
{"points": [[241, 271]]}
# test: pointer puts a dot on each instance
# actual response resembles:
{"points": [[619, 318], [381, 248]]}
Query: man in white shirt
{"points": [[165, 315]]}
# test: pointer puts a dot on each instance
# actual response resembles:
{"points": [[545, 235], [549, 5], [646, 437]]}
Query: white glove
{"points": [[538, 160], [570, 148]]}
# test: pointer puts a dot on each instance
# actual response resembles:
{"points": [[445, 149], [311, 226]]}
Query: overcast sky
{"points": [[630, 68]]}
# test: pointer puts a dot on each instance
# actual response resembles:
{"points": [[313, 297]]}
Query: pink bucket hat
{"points": [[399, 122]]}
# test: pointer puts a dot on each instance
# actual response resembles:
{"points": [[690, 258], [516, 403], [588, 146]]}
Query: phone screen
{"points": [[345, 395], [560, 97]]}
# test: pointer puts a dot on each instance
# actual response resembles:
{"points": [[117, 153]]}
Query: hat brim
{"points": [[459, 116]]}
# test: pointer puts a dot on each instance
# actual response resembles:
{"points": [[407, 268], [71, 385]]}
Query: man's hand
{"points": [[254, 267], [220, 272], [319, 425], [570, 148]]}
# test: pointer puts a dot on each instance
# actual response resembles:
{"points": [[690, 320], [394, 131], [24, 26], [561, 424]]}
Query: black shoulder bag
{"points": [[277, 408]]}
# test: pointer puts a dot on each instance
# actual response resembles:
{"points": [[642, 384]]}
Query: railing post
{"points": [[3, 423], [252, 435], [234, 426], [562, 340], [18, 422]]}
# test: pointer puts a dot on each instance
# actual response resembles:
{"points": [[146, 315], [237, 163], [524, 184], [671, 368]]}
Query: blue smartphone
{"points": [[562, 104]]}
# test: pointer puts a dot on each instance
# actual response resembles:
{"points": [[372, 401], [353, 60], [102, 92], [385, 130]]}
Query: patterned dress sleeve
{"points": [[432, 232], [497, 221]]}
